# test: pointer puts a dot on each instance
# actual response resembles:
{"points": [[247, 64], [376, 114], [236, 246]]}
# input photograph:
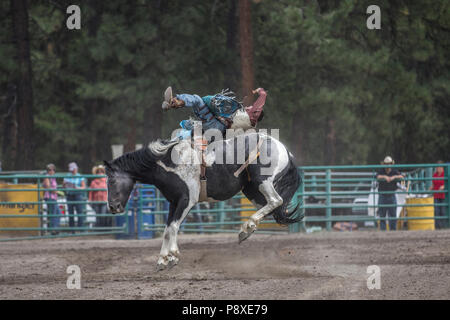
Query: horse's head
{"points": [[120, 185]]}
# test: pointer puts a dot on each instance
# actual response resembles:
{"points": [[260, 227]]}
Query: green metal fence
{"points": [[334, 192], [11, 187], [329, 194]]}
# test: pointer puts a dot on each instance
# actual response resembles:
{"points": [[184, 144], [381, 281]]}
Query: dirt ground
{"points": [[324, 265]]}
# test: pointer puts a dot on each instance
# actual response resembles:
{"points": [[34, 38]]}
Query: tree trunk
{"points": [[131, 73], [297, 138], [90, 148], [9, 124], [230, 72], [25, 124], [153, 114], [246, 49], [93, 107], [130, 144]]}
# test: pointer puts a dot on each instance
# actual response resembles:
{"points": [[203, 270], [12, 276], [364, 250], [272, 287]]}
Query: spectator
{"points": [[439, 198], [387, 182], [101, 195], [51, 198], [75, 182]]}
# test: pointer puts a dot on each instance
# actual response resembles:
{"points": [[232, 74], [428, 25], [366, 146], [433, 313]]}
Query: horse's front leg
{"points": [[170, 254], [164, 253]]}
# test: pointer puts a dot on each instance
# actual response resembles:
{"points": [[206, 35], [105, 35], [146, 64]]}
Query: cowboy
{"points": [[220, 111], [387, 182]]}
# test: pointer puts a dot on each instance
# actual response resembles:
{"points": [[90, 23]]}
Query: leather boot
{"points": [[170, 102]]}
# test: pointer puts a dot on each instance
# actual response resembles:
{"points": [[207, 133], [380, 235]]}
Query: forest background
{"points": [[339, 92]]}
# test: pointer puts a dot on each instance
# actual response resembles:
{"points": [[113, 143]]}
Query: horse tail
{"points": [[286, 186]]}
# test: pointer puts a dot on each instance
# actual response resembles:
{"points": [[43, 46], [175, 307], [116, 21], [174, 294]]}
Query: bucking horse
{"points": [[255, 163]]}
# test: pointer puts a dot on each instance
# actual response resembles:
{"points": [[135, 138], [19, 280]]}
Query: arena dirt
{"points": [[325, 265]]}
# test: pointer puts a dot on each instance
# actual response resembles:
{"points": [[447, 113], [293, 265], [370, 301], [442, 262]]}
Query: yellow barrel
{"points": [[27, 213], [426, 211]]}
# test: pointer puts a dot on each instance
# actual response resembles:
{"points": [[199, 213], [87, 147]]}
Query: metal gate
{"points": [[24, 214], [328, 195]]}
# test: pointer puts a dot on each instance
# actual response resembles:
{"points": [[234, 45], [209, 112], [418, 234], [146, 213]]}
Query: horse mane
{"points": [[144, 158], [160, 147]]}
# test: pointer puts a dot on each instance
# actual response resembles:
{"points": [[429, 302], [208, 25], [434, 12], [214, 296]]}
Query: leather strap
{"points": [[254, 154], [200, 145]]}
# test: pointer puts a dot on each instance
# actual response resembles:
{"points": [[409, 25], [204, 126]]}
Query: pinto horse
{"points": [[268, 180]]}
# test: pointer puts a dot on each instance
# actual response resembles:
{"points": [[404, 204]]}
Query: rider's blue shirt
{"points": [[207, 108], [202, 111], [219, 105]]}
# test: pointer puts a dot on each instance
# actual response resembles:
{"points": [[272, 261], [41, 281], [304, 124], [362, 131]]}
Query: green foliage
{"points": [[375, 85], [339, 93]]}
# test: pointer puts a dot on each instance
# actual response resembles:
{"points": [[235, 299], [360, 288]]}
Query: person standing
{"points": [[75, 197], [387, 182], [51, 198], [100, 195], [439, 197]]}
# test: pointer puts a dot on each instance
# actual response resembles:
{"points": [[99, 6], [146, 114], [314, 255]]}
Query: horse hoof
{"points": [[173, 259], [172, 264], [243, 236], [160, 267]]}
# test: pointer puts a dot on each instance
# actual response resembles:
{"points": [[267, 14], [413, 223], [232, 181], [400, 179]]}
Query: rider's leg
{"points": [[193, 101], [188, 125], [184, 134], [181, 100]]}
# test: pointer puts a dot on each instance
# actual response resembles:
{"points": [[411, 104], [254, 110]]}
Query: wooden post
{"points": [[25, 122]]}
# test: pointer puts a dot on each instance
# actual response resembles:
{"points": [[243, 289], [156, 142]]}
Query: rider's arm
{"points": [[255, 110], [259, 103]]}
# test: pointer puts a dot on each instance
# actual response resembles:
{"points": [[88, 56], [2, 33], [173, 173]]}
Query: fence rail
{"points": [[338, 189], [26, 214], [329, 194]]}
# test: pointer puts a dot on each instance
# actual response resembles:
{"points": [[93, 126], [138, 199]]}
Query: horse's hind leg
{"points": [[273, 200], [169, 255]]}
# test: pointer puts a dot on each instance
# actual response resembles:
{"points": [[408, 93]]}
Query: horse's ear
{"points": [[107, 164]]}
